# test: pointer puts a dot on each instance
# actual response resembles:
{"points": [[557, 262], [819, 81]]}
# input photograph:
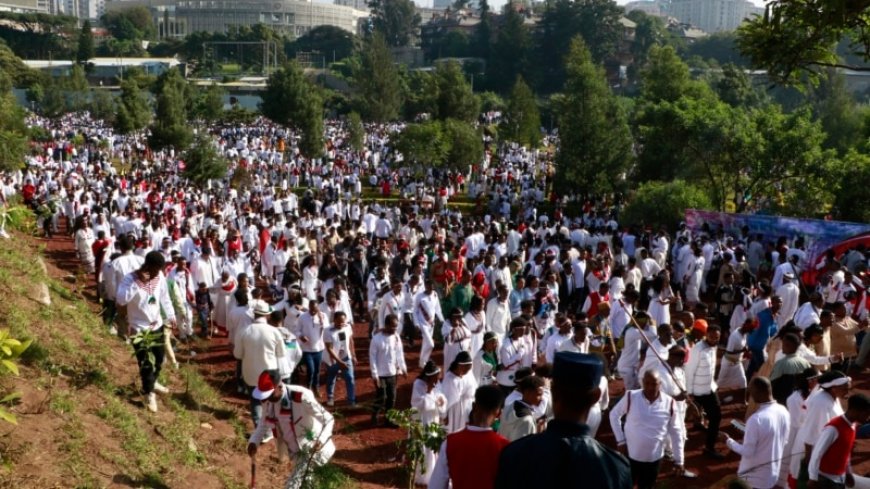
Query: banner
{"points": [[819, 235]]}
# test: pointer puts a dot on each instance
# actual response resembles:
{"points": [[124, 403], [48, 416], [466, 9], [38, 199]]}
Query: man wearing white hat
{"points": [[301, 426], [258, 348]]}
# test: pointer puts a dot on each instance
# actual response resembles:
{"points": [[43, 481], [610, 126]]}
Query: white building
{"points": [[178, 18], [82, 9], [713, 15], [356, 4], [24, 6], [649, 7]]}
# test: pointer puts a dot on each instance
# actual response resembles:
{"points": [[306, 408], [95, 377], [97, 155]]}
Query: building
{"points": [[713, 15], [650, 7], [356, 4], [25, 6], [178, 18], [82, 9], [106, 68]]}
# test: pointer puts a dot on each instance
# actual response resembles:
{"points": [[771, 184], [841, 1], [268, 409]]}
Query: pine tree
{"points": [[170, 128], [376, 77], [356, 132], [202, 162], [455, 98], [293, 101], [13, 131], [85, 49], [133, 111], [596, 145], [522, 120]]}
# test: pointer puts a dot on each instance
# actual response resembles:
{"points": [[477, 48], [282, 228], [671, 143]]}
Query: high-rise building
{"points": [[357, 4], [24, 6], [713, 15]]}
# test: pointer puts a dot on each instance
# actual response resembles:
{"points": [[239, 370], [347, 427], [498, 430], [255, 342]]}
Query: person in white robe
{"points": [[457, 337], [732, 372], [431, 406], [458, 388]]}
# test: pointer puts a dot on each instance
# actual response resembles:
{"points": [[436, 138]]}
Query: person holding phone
{"points": [[339, 358]]}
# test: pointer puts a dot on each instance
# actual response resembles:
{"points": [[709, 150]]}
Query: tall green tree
{"points": [[522, 119], [102, 105], [799, 37], [397, 20], [169, 128], [596, 146], [841, 116], [130, 24], [510, 51], [290, 99], [202, 162], [481, 40], [133, 111], [466, 145], [356, 132], [596, 21], [333, 42], [376, 78], [735, 88], [666, 77], [210, 103], [424, 144], [85, 49], [13, 130], [455, 99]]}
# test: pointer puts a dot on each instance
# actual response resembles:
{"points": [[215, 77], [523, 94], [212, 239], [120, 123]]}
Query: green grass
{"points": [[74, 445], [62, 402]]}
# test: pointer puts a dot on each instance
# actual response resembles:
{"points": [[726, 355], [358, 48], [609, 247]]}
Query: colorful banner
{"points": [[818, 235]]}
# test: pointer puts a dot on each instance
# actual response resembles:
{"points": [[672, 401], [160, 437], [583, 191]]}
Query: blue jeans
{"points": [[312, 359], [332, 373], [256, 407]]}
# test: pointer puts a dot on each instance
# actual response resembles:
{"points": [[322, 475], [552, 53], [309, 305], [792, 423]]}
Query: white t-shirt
{"points": [[339, 338]]}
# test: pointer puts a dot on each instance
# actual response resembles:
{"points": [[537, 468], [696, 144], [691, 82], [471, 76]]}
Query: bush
{"points": [[663, 203]]}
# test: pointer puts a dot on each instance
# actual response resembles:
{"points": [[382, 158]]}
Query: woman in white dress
{"points": [[84, 238], [796, 403], [457, 336], [475, 320], [431, 406], [309, 278], [458, 387], [692, 278], [662, 296]]}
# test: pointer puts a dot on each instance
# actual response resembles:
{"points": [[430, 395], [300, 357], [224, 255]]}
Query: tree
{"points": [[333, 42], [76, 89], [799, 37], [102, 105], [850, 198], [85, 49], [133, 112], [660, 204], [420, 92], [202, 162], [397, 20], [210, 103], [649, 31], [735, 88], [290, 99], [423, 144], [721, 47], [356, 132], [596, 21], [466, 145], [455, 100], [376, 78], [667, 77], [170, 128], [130, 24], [596, 145], [13, 130], [841, 116], [510, 51], [522, 120], [481, 40]]}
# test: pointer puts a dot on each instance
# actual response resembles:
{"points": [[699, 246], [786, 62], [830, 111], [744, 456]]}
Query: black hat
{"points": [[430, 369], [581, 370]]}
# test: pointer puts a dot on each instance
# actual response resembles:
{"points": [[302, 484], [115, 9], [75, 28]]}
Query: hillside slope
{"points": [[80, 417]]}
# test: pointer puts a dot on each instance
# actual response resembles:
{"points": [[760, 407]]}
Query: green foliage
{"points": [[735, 88], [333, 42], [38, 36], [420, 91], [509, 56], [397, 20], [650, 31], [799, 37], [209, 104], [17, 217], [13, 131], [838, 111], [596, 21], [420, 438], [596, 145], [290, 99], [85, 50], [424, 144], [10, 350], [666, 77], [169, 128], [203, 162], [356, 132], [522, 120], [454, 99], [133, 111], [850, 196], [466, 144], [130, 24], [376, 79], [720, 47], [490, 101], [660, 204], [102, 105]]}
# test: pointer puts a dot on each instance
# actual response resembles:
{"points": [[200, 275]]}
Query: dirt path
{"points": [[368, 454]]}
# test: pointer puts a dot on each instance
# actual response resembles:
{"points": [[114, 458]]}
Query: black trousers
{"points": [[644, 474], [149, 371], [825, 483], [710, 404], [385, 397]]}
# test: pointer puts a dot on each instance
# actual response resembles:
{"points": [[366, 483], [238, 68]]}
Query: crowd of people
{"points": [[526, 321]]}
